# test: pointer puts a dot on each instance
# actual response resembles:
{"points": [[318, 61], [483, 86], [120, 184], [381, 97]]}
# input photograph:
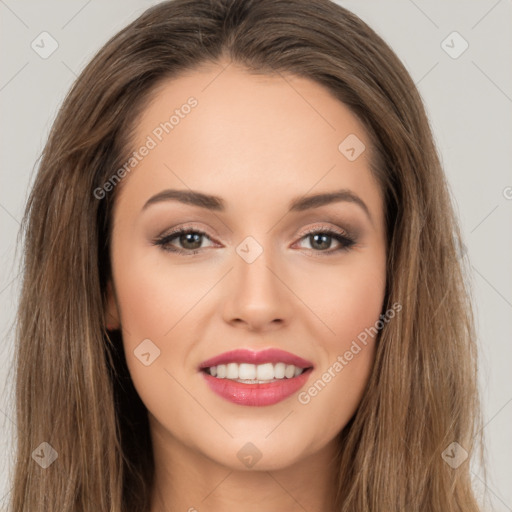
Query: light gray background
{"points": [[469, 101]]}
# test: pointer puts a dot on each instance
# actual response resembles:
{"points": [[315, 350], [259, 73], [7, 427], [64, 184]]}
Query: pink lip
{"points": [[256, 394], [269, 355]]}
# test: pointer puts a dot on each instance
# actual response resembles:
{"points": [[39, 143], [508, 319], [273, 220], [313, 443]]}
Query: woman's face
{"points": [[281, 259]]}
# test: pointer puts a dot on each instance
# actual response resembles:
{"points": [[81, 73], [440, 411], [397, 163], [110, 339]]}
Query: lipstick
{"points": [[256, 378]]}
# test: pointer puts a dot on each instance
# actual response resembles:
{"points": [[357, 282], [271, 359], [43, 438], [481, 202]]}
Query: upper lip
{"points": [[269, 355]]}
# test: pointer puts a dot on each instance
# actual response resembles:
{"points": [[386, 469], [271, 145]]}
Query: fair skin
{"points": [[257, 142]]}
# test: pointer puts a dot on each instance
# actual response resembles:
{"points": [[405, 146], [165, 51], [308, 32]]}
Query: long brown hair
{"points": [[73, 389]]}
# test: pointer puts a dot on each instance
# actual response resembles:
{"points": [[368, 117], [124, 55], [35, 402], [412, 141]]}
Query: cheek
{"points": [[334, 394], [153, 309], [359, 304], [347, 299], [157, 316], [154, 299], [351, 308]]}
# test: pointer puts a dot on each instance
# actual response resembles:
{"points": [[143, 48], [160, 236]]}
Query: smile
{"points": [[254, 374], [251, 378]]}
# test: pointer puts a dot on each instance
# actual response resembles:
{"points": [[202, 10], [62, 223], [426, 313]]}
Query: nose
{"points": [[258, 298]]}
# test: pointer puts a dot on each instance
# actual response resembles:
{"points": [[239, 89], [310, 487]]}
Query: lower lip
{"points": [[256, 394]]}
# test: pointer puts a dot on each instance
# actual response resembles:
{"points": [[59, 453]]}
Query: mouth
{"points": [[253, 378], [255, 374]]}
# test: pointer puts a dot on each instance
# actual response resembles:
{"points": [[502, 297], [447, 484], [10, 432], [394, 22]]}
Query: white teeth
{"points": [[289, 372], [255, 373], [279, 369], [265, 371], [246, 371], [232, 371]]}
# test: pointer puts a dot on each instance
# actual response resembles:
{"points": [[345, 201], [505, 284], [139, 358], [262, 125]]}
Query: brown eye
{"points": [[321, 241], [188, 241]]}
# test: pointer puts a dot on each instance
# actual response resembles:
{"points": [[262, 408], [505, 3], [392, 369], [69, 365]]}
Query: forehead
{"points": [[220, 128], [257, 111]]}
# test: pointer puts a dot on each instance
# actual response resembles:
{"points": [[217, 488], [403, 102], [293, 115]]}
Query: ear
{"points": [[112, 321]]}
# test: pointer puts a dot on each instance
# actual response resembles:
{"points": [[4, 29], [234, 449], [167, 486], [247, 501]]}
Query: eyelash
{"points": [[346, 241]]}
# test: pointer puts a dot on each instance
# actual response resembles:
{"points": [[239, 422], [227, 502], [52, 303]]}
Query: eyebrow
{"points": [[218, 204]]}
